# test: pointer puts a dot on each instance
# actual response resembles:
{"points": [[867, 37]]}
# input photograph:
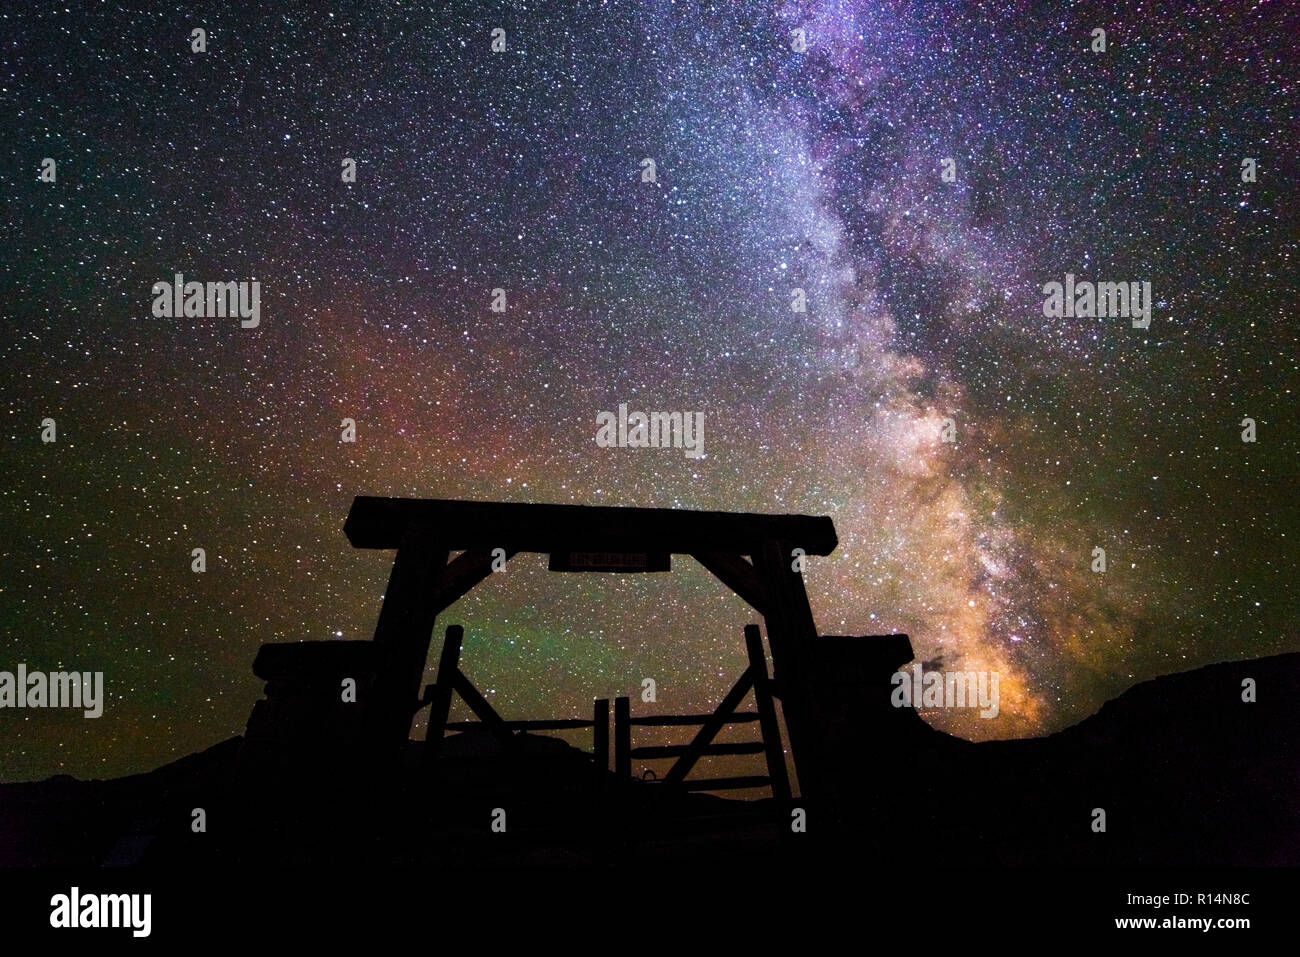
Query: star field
{"points": [[521, 170]]}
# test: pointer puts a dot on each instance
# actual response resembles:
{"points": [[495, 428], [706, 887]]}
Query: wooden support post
{"points": [[767, 716], [600, 740], [789, 621], [712, 725], [439, 693], [405, 627], [622, 739]]}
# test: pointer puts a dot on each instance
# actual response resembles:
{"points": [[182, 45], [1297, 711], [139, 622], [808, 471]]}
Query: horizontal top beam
{"points": [[387, 522]]}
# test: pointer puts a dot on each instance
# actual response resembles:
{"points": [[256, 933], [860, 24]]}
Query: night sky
{"points": [[521, 170]]}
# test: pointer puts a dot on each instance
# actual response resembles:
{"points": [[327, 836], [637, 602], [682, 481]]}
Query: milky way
{"points": [[775, 169]]}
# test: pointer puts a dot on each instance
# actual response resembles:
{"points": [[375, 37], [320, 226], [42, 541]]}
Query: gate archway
{"points": [[759, 557]]}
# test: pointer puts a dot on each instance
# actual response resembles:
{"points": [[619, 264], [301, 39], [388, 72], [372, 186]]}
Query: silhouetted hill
{"points": [[1187, 772]]}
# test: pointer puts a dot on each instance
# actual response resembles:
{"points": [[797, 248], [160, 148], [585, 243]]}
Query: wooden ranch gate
{"points": [[759, 557], [752, 678]]}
